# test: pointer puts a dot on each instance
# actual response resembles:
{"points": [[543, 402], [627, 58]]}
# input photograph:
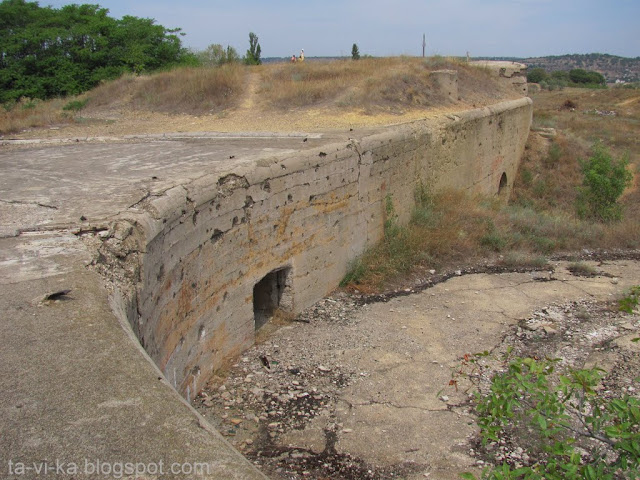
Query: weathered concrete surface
{"points": [[511, 73], [200, 261], [76, 386], [184, 229], [463, 315]]}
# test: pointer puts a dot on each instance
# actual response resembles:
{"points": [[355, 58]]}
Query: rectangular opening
{"points": [[271, 293]]}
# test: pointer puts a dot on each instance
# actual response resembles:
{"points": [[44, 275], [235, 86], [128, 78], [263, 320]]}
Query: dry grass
{"points": [[33, 113], [392, 84], [381, 86], [191, 90], [184, 90]]}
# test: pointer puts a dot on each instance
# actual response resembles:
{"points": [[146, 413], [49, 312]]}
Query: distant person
{"points": [[302, 55], [293, 59]]}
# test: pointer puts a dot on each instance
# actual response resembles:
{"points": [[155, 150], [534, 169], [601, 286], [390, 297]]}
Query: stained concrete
{"points": [[76, 385]]}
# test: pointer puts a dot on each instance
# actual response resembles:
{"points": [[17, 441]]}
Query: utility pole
{"points": [[424, 44]]}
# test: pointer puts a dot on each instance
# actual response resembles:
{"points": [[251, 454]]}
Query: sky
{"points": [[496, 28]]}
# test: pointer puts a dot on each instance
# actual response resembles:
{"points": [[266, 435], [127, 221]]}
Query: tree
{"points": [[536, 75], [604, 181], [355, 53], [578, 75], [47, 52], [216, 55], [253, 54]]}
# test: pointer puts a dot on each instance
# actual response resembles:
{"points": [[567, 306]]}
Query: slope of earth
{"points": [[284, 98]]}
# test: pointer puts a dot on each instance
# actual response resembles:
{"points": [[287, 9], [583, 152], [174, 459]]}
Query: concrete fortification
{"points": [[207, 262], [189, 243]]}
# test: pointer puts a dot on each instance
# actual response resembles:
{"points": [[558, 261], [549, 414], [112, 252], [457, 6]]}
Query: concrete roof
{"points": [[76, 386]]}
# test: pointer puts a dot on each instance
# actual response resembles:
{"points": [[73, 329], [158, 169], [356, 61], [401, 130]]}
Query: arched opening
{"points": [[268, 295], [502, 187]]}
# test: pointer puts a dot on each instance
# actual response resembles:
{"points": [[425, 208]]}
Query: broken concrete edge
{"points": [[158, 136]]}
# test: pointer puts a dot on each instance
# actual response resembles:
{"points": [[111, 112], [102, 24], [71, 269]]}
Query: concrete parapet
{"points": [[512, 73], [447, 81], [210, 258]]}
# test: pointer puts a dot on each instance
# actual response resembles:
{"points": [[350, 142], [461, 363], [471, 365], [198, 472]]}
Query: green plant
{"points": [[216, 55], [555, 413], [536, 75], [630, 301], [355, 52], [253, 54], [582, 269], [553, 155], [493, 239], [75, 105], [604, 181]]}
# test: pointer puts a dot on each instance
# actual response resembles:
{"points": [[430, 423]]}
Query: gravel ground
{"points": [[287, 403]]}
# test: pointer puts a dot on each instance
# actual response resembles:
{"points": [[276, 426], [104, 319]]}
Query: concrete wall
{"points": [[513, 74], [206, 259]]}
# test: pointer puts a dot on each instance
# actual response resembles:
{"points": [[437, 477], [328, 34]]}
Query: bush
{"points": [[560, 412], [216, 55], [537, 75], [75, 105], [604, 181]]}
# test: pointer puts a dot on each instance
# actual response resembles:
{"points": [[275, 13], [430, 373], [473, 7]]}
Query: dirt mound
{"points": [[315, 96]]}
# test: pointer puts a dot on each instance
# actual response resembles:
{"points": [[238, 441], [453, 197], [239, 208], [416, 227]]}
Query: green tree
{"points": [[561, 75], [216, 54], [584, 77], [355, 52], [536, 75], [253, 54], [604, 181], [47, 52]]}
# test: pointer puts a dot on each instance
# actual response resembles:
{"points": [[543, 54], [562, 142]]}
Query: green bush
{"points": [[536, 75], [554, 414], [604, 181], [629, 302], [75, 105]]}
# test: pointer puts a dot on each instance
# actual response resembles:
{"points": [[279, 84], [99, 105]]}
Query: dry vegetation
{"points": [[392, 84], [394, 87], [452, 230]]}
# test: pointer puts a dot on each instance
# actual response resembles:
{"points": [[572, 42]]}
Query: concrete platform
{"points": [[79, 396]]}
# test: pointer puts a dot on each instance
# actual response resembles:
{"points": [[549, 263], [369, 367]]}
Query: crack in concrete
{"points": [[370, 403], [22, 202]]}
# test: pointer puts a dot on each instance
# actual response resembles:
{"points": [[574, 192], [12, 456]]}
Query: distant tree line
{"points": [[47, 52], [560, 79]]}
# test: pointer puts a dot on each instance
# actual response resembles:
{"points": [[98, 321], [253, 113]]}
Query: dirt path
{"points": [[360, 391]]}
